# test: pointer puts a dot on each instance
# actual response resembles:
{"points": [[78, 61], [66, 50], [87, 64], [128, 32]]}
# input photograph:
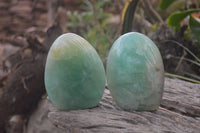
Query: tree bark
{"points": [[24, 83], [179, 112]]}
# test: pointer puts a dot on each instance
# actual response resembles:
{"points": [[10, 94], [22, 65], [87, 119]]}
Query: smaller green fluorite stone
{"points": [[74, 74], [135, 72]]}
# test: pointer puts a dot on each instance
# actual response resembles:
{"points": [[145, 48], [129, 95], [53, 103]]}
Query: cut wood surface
{"points": [[178, 113]]}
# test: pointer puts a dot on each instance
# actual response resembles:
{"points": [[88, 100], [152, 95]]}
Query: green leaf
{"points": [[101, 3], [195, 27], [175, 19], [128, 15], [88, 15], [104, 23], [165, 3]]}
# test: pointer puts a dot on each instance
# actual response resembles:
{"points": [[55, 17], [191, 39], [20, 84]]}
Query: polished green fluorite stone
{"points": [[135, 72], [74, 74]]}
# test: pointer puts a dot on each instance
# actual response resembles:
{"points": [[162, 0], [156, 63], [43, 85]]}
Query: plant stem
{"points": [[190, 52], [181, 77], [149, 8]]}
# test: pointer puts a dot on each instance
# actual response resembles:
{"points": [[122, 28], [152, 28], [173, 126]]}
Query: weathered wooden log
{"points": [[179, 112], [23, 86]]}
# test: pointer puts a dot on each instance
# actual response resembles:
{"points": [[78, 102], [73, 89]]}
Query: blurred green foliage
{"points": [[165, 3], [92, 23], [186, 14], [195, 27], [186, 10], [175, 19]]}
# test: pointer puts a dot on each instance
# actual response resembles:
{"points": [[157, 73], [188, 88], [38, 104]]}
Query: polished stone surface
{"points": [[135, 72], [74, 74]]}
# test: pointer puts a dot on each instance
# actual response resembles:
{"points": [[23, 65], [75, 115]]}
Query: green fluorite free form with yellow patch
{"points": [[74, 74], [135, 72]]}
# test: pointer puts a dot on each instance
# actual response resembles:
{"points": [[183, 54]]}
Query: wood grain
{"points": [[178, 113]]}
